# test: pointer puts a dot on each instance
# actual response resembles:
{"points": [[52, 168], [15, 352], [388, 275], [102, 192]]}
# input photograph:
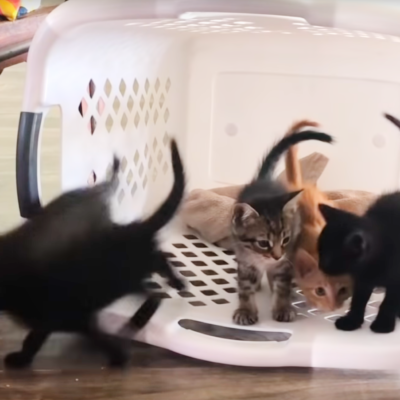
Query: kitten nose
{"points": [[276, 253]]}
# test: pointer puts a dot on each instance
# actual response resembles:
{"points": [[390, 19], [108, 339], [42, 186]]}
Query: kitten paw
{"points": [[284, 314], [348, 323], [17, 360], [243, 316], [383, 325]]}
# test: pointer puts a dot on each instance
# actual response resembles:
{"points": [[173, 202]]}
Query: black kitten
{"points": [[368, 248], [63, 289]]}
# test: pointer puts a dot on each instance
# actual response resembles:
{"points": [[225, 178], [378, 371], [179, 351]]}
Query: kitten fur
{"points": [[367, 247], [63, 290], [321, 291], [79, 212], [263, 228]]}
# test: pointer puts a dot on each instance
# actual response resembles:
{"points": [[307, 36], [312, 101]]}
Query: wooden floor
{"points": [[67, 369]]}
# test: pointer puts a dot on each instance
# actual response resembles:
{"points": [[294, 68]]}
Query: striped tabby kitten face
{"points": [[266, 233]]}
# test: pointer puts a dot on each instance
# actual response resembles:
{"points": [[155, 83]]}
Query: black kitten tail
{"points": [[168, 209], [271, 159], [392, 119]]}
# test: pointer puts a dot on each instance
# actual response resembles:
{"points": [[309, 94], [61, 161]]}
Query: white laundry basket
{"points": [[226, 78]]}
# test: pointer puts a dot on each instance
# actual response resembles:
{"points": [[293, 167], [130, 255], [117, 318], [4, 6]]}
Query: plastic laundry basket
{"points": [[226, 78]]}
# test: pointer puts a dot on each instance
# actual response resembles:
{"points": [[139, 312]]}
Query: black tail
{"points": [[392, 119], [168, 209], [271, 159]]}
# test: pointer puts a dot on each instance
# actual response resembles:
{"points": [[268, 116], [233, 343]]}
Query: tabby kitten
{"points": [[367, 247], [63, 289], [321, 291], [263, 225]]}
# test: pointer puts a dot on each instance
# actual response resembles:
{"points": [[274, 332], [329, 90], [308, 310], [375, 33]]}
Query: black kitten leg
{"points": [[385, 321], [144, 313], [112, 346], [355, 317], [142, 316], [31, 345], [165, 270]]}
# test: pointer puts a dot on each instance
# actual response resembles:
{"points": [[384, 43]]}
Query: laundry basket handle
{"points": [[27, 164]]}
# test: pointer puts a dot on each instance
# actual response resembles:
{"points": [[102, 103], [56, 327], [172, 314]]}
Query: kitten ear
{"points": [[242, 212], [287, 197], [329, 213], [356, 244], [304, 264]]}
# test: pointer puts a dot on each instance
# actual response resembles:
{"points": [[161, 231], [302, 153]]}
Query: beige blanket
{"points": [[209, 212]]}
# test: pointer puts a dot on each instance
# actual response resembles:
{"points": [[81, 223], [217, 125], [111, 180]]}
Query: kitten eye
{"points": [[285, 240], [264, 244], [342, 291], [320, 291]]}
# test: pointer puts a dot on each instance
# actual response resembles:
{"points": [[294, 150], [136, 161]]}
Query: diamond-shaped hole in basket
{"points": [[135, 87], [109, 123], [166, 115], [162, 295], [191, 237], [165, 139], [130, 103], [178, 264], [220, 262], [230, 290], [209, 292], [197, 303], [101, 105], [169, 255], [92, 178], [92, 124], [223, 332], [116, 105], [198, 283], [107, 88], [147, 85], [185, 294], [228, 252], [209, 272], [199, 263], [187, 274], [220, 281], [210, 254], [122, 87], [137, 119], [165, 167], [121, 196], [134, 189], [168, 85], [124, 121], [91, 88], [129, 177], [200, 245], [220, 301], [83, 107], [179, 245], [189, 254], [157, 85], [124, 164], [230, 270]]}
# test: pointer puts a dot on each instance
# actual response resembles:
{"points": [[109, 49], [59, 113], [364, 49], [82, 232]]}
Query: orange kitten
{"points": [[322, 292]]}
